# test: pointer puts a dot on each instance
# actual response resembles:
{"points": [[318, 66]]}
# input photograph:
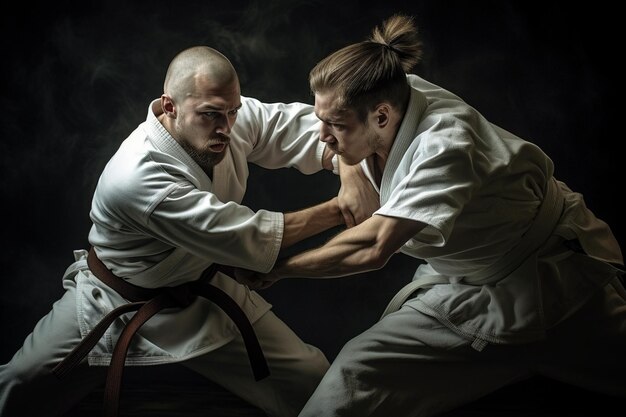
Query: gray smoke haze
{"points": [[78, 78]]}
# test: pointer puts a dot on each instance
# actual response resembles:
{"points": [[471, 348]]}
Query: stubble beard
{"points": [[203, 157], [374, 143]]}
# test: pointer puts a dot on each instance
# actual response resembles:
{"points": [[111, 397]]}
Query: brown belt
{"points": [[147, 302]]}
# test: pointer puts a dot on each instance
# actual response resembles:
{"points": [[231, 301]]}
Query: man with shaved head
{"points": [[199, 69], [166, 209]]}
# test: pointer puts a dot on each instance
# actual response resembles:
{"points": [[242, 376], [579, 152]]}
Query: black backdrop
{"points": [[77, 78]]}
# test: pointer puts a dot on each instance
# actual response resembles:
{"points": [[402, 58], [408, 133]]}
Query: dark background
{"points": [[78, 77]]}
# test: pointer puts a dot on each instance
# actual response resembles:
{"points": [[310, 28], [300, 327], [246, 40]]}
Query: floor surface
{"points": [[175, 392]]}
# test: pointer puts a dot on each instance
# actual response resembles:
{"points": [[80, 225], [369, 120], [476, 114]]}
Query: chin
{"points": [[216, 158], [349, 160]]}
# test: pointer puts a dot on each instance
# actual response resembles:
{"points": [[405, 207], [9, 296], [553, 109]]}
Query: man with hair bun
{"points": [[519, 279]]}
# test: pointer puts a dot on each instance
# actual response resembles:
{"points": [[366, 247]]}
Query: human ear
{"points": [[382, 115], [169, 108]]}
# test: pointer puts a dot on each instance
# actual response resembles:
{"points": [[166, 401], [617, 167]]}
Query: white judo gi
{"points": [[509, 287], [158, 220]]}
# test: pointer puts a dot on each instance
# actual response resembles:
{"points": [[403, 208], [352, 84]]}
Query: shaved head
{"points": [[199, 105], [194, 64]]}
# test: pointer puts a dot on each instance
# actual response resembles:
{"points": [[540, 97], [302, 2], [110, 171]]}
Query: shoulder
{"points": [[445, 110], [259, 109], [256, 116], [138, 174]]}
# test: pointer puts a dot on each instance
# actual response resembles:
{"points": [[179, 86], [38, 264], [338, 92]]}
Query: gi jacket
{"points": [[478, 188], [158, 220]]}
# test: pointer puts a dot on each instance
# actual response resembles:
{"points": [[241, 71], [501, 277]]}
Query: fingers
{"points": [[348, 217]]}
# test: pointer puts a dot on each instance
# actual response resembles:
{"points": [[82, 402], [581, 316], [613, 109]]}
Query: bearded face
{"points": [[205, 146]]}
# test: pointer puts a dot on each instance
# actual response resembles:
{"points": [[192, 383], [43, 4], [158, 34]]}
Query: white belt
{"points": [[540, 230]]}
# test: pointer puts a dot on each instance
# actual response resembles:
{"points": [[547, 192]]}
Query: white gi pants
{"points": [[28, 388], [408, 364]]}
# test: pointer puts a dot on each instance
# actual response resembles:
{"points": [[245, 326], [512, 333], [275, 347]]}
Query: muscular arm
{"points": [[365, 247], [358, 199], [305, 223]]}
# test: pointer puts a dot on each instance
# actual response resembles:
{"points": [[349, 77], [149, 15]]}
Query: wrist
{"points": [[335, 211], [277, 271]]}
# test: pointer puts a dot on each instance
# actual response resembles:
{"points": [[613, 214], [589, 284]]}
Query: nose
{"points": [[325, 135], [225, 124]]}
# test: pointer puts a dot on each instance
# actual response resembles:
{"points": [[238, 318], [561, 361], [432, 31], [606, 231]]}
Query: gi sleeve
{"points": [[281, 135], [433, 181], [226, 233]]}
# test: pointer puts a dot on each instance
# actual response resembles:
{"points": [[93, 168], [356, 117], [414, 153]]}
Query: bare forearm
{"points": [[305, 223], [328, 261], [354, 250], [365, 247], [347, 253], [358, 199]]}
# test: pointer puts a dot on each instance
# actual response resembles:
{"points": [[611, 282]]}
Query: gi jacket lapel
{"points": [[223, 177], [404, 138]]}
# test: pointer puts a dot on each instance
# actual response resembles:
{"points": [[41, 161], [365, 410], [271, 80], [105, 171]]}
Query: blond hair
{"points": [[366, 73]]}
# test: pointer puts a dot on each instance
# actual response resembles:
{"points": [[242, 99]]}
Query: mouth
{"points": [[217, 147]]}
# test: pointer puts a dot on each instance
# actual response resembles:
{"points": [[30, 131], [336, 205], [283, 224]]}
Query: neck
{"points": [[380, 159], [387, 138]]}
